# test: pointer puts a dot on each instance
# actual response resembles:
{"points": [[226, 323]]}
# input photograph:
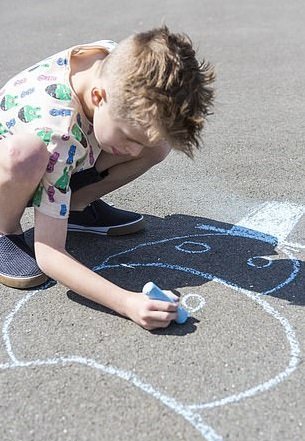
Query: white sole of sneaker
{"points": [[23, 282], [120, 230]]}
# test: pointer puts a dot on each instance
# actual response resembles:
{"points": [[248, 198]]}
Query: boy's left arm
{"points": [[57, 263]]}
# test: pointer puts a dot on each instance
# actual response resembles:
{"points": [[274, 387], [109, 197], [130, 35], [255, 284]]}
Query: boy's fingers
{"points": [[162, 316], [157, 325], [158, 319], [159, 305]]}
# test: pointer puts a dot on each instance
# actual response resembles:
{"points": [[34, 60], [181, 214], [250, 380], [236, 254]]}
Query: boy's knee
{"points": [[27, 156]]}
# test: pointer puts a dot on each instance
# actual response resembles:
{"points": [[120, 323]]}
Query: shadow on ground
{"points": [[181, 250]]}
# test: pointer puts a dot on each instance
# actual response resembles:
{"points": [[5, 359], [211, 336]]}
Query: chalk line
{"points": [[193, 418], [179, 408], [260, 219], [5, 365], [185, 410], [295, 247], [209, 230], [8, 321], [271, 383], [199, 299], [275, 218], [289, 332]]}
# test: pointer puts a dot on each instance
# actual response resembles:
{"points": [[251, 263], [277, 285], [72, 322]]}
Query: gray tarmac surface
{"points": [[73, 371]]}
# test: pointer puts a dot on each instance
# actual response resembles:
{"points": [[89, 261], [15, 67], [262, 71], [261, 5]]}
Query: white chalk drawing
{"points": [[199, 243], [188, 300]]}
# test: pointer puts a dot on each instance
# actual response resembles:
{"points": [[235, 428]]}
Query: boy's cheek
{"points": [[98, 135]]}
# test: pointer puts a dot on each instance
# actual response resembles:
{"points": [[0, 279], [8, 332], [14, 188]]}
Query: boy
{"points": [[79, 125]]}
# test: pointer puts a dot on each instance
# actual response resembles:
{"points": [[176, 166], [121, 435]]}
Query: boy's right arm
{"points": [[57, 263]]}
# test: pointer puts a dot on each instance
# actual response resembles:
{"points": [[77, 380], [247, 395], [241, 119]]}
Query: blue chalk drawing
{"points": [[259, 262], [193, 247], [202, 248], [211, 251]]}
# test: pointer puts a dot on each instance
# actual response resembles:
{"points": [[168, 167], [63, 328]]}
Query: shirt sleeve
{"points": [[52, 197]]}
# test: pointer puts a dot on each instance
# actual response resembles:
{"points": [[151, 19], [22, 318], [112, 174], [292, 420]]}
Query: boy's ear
{"points": [[98, 96]]}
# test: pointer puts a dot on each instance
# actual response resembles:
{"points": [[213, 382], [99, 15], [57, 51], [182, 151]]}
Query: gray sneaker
{"points": [[18, 267]]}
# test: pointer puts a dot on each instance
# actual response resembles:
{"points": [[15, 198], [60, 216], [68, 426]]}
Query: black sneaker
{"points": [[101, 218], [18, 267]]}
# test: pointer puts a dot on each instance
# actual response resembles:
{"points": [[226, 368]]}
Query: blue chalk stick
{"points": [[155, 293]]}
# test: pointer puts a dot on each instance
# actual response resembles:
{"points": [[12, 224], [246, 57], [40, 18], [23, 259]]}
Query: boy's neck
{"points": [[83, 76]]}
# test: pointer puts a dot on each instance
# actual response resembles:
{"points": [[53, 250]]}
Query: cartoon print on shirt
{"points": [[81, 161], [27, 92], [20, 81], [90, 130], [46, 78], [62, 61], [10, 123], [37, 66], [51, 192], [91, 156], [8, 102], [62, 182], [52, 161], [79, 120], [63, 210], [71, 154], [3, 130], [45, 133], [79, 136], [59, 91], [60, 112], [28, 113], [37, 196]]}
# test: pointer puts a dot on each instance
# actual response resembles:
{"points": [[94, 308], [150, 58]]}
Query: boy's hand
{"points": [[151, 314]]}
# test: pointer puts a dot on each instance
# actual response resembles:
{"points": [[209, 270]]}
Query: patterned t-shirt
{"points": [[40, 100]]}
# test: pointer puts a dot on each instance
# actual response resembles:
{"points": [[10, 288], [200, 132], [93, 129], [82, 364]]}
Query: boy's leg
{"points": [[23, 160], [116, 171]]}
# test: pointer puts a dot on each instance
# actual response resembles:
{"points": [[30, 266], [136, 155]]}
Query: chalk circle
{"points": [[189, 299], [191, 247], [259, 262]]}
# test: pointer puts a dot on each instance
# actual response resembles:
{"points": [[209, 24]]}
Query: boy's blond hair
{"points": [[158, 84]]}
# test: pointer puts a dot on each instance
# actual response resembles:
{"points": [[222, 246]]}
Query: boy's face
{"points": [[116, 136]]}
